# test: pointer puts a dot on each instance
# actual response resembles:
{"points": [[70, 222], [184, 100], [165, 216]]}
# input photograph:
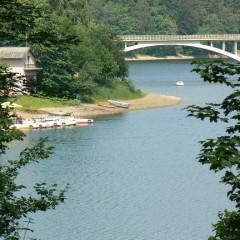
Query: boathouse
{"points": [[20, 60]]}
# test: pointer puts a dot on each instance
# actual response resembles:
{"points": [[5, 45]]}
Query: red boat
{"points": [[84, 121]]}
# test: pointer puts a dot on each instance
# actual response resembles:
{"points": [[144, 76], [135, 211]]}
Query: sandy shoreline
{"points": [[184, 57], [150, 101]]}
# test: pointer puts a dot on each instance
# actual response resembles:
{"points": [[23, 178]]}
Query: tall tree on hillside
{"points": [[109, 52], [215, 6], [234, 4], [230, 20], [55, 56], [142, 14], [187, 16], [169, 5], [118, 15], [212, 24], [222, 154], [17, 20], [74, 10], [49, 36]]}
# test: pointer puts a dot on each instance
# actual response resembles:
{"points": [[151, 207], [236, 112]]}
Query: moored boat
{"points": [[50, 122], [108, 105], [83, 121], [179, 83], [119, 104], [71, 120]]}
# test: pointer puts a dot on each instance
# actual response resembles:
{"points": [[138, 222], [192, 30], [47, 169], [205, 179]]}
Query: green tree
{"points": [[165, 25], [49, 36], [118, 16], [230, 20], [187, 16], [211, 25], [109, 50], [142, 14], [75, 10], [14, 205], [17, 19], [223, 153], [54, 55]]}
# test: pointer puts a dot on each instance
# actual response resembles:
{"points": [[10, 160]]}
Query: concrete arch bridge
{"points": [[133, 42]]}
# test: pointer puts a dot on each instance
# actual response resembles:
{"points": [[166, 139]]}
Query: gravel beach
{"points": [[150, 101]]}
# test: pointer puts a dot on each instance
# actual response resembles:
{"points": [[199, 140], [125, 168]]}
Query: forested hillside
{"points": [[169, 17], [76, 40]]}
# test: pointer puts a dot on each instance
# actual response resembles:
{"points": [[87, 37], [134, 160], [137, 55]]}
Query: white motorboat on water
{"points": [[179, 83], [50, 122]]}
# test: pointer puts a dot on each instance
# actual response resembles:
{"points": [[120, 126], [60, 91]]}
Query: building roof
{"points": [[13, 52]]}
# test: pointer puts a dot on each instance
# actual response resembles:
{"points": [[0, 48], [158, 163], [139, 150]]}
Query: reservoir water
{"points": [[135, 176]]}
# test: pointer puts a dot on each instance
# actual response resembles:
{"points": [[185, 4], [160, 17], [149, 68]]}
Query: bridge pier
{"points": [[235, 49], [223, 45]]}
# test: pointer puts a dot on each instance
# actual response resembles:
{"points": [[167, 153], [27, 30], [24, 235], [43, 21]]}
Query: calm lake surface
{"points": [[135, 176]]}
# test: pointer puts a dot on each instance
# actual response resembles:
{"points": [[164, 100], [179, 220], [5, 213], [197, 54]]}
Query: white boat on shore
{"points": [[179, 83], [51, 122], [119, 104]]}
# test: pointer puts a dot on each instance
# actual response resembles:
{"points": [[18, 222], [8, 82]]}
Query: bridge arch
{"points": [[188, 44]]}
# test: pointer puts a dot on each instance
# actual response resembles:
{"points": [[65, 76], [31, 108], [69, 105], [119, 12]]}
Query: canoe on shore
{"points": [[108, 105], [119, 104]]}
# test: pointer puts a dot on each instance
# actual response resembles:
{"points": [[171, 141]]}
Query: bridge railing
{"points": [[218, 37]]}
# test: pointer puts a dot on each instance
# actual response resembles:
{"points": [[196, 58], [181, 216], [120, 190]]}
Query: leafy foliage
{"points": [[188, 17], [14, 206], [17, 21], [136, 17], [67, 44], [223, 153]]}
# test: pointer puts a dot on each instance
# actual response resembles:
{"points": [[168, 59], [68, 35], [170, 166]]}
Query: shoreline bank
{"points": [[150, 101], [152, 58]]}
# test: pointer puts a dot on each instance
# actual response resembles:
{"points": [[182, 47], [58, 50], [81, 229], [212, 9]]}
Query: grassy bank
{"points": [[120, 92], [33, 103], [116, 92]]}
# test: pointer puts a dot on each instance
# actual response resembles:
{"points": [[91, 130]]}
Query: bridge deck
{"points": [[151, 38]]}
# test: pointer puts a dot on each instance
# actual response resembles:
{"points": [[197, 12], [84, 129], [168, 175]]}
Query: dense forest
{"points": [[169, 17], [76, 41]]}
